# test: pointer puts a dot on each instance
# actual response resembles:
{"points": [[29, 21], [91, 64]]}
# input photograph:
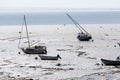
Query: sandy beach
{"points": [[60, 39]]}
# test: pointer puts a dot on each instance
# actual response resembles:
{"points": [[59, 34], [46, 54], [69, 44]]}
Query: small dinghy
{"points": [[110, 62], [50, 57]]}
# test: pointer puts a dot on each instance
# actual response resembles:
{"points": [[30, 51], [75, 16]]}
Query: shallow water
{"points": [[59, 18]]}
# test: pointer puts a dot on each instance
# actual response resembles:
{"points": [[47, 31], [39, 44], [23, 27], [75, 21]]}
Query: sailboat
{"points": [[83, 35], [37, 49]]}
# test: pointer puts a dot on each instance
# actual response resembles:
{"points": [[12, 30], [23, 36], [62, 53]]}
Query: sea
{"points": [[59, 18]]}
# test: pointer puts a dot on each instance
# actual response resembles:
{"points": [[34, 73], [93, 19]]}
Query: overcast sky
{"points": [[58, 4]]}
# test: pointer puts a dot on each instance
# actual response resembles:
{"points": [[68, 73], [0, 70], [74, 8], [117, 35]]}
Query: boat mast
{"points": [[27, 32], [20, 35], [74, 21], [77, 25]]}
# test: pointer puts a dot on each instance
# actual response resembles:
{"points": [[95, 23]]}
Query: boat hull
{"points": [[34, 51], [48, 57], [110, 62], [84, 38]]}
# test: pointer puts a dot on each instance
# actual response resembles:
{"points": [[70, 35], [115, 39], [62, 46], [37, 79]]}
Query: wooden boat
{"points": [[49, 57], [83, 34], [110, 62], [84, 37], [36, 49]]}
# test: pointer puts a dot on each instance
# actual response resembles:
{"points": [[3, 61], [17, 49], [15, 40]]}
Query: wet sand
{"points": [[80, 60]]}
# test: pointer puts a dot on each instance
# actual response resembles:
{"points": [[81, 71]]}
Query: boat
{"points": [[110, 62], [36, 49], [50, 57], [83, 35]]}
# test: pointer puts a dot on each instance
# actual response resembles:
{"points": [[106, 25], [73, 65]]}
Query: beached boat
{"points": [[36, 49], [110, 62], [49, 57], [83, 34], [84, 37]]}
